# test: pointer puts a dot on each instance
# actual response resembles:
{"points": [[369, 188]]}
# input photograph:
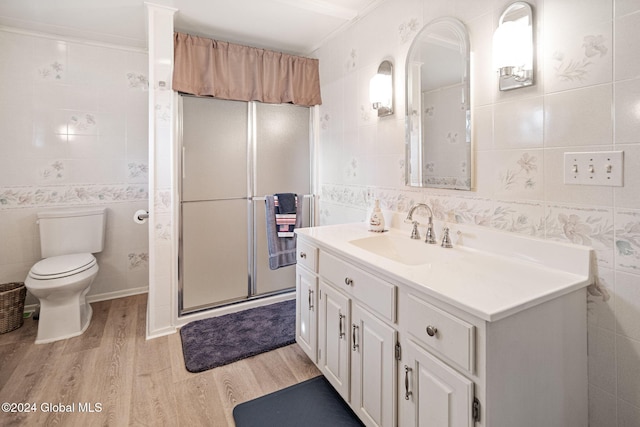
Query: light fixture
{"points": [[381, 89], [513, 47]]}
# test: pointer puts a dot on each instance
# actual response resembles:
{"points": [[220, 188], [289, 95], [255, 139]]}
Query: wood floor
{"points": [[136, 382]]}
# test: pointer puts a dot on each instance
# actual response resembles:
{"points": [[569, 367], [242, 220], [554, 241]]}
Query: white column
{"points": [[162, 305]]}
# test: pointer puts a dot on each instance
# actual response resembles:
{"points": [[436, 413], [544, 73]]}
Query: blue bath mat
{"points": [[313, 403], [217, 341]]}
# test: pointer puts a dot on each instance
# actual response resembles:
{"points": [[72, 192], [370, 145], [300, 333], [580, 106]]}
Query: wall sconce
{"points": [[513, 47], [381, 89]]}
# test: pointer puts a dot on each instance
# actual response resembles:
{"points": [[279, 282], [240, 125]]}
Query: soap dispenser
{"points": [[376, 222]]}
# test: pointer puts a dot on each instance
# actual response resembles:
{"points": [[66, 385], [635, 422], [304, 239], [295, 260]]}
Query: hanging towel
{"points": [[285, 208], [282, 251], [286, 203]]}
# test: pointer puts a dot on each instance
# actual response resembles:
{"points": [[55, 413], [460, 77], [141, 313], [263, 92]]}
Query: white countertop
{"points": [[490, 283]]}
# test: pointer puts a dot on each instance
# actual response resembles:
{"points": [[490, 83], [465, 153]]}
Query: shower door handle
{"points": [[183, 162]]}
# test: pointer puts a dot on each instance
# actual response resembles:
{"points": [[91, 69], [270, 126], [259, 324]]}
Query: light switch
{"points": [[594, 168]]}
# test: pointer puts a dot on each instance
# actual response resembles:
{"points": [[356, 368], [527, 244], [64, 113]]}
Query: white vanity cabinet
{"points": [[472, 339], [373, 378], [334, 318], [438, 366], [356, 346], [434, 394], [306, 300]]}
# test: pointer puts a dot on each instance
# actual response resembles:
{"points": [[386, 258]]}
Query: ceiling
{"points": [[292, 26]]}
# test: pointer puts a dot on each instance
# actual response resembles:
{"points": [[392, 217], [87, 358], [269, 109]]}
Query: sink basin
{"points": [[404, 250]]}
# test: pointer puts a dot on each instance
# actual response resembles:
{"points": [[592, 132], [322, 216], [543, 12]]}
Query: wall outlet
{"points": [[594, 168]]}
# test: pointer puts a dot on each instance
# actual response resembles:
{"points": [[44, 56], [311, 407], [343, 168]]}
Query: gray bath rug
{"points": [[313, 403], [217, 341]]}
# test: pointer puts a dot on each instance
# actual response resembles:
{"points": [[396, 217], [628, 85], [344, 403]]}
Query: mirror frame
{"points": [[460, 30]]}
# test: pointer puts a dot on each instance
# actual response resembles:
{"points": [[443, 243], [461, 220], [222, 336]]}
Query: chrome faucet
{"points": [[415, 234]]}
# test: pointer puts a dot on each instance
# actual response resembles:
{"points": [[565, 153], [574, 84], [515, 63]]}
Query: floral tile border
{"points": [[588, 226], [519, 217], [591, 226], [26, 197], [627, 241]]}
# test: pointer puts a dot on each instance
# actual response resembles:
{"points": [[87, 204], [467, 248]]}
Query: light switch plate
{"points": [[594, 168]]}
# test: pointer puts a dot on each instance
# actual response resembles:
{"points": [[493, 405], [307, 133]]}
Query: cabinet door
{"points": [[306, 317], [373, 368], [333, 332], [432, 393]]}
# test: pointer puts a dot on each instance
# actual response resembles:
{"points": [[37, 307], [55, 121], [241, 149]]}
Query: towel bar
{"points": [[306, 196]]}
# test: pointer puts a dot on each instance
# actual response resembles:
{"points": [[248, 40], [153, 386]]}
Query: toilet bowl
{"points": [[61, 284], [61, 281]]}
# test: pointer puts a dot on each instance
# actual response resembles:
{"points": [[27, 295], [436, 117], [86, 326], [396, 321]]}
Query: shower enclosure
{"points": [[234, 154]]}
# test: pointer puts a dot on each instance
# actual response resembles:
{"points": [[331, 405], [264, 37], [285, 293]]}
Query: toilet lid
{"points": [[62, 266]]}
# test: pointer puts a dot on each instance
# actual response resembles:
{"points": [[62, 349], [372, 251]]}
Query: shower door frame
{"points": [[250, 198]]}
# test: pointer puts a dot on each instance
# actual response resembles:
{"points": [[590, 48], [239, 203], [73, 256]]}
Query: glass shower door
{"points": [[233, 155], [282, 165], [214, 203]]}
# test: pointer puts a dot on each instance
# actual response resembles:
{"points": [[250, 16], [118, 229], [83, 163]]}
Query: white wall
{"points": [[73, 131], [586, 97]]}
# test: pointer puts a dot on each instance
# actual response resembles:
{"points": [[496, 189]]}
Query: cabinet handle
{"points": [[355, 336], [348, 281], [341, 325], [407, 393], [310, 300], [303, 255], [432, 330]]}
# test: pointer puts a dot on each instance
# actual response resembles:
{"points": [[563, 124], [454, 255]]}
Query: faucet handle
{"points": [[446, 240], [415, 234], [431, 235]]}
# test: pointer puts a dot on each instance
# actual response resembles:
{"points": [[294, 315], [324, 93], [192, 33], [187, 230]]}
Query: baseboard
{"points": [[161, 332], [117, 294], [101, 297]]}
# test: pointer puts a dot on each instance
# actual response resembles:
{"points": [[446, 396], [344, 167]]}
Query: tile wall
{"points": [[586, 98], [73, 131]]}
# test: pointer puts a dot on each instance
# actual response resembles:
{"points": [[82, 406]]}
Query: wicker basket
{"points": [[12, 297]]}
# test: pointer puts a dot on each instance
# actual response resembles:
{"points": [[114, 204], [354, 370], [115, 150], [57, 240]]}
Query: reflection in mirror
{"points": [[438, 121]]}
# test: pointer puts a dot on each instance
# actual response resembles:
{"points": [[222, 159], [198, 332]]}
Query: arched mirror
{"points": [[438, 121]]}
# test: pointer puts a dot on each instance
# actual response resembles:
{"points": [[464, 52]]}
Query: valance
{"points": [[207, 67]]}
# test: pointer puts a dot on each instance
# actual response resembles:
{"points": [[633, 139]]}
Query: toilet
{"points": [[61, 281]]}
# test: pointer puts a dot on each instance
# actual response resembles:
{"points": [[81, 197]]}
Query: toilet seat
{"points": [[62, 266]]}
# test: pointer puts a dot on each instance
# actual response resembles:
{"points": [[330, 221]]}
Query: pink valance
{"points": [[206, 67]]}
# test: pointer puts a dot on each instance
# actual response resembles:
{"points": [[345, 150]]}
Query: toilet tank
{"points": [[73, 230]]}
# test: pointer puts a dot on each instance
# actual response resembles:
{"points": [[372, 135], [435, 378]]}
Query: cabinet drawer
{"points": [[448, 335], [307, 255], [377, 294]]}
